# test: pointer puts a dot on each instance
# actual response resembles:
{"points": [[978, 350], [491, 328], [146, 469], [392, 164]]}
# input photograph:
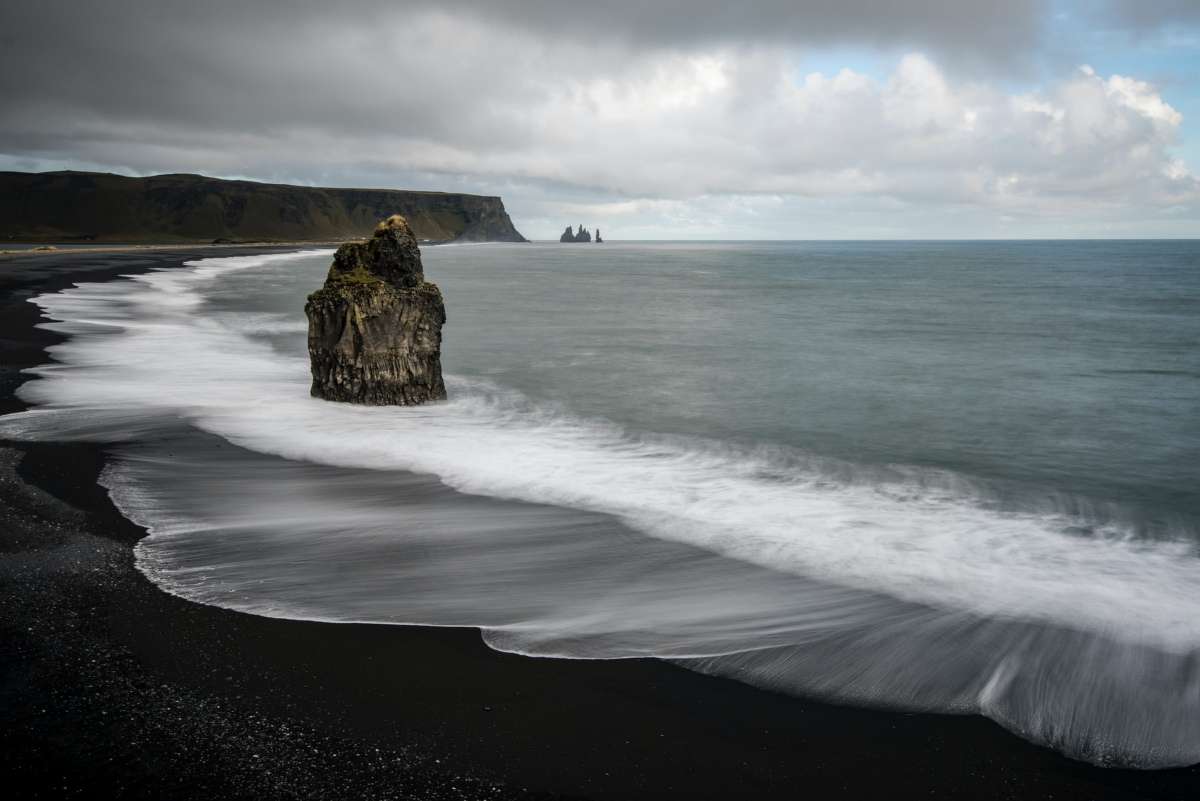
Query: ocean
{"points": [[950, 476]]}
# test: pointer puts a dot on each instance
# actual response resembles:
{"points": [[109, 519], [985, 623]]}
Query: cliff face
{"points": [[97, 207], [375, 328]]}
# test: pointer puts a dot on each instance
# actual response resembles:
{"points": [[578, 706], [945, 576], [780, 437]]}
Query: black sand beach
{"points": [[114, 689]]}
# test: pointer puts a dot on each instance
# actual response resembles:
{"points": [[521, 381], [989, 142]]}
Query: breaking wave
{"points": [[575, 537]]}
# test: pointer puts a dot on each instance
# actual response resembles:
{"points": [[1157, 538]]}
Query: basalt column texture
{"points": [[375, 328]]}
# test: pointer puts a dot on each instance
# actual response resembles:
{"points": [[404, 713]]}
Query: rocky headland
{"points": [[375, 328], [103, 208]]}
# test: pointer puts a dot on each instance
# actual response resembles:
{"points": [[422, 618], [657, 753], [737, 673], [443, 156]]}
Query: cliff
{"points": [[99, 207], [375, 328]]}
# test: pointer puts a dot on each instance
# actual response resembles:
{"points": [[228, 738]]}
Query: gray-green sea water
{"points": [[951, 476]]}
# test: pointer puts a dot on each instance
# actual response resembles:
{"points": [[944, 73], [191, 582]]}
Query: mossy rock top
{"points": [[390, 256]]}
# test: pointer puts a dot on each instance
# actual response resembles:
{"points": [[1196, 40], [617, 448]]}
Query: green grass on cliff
{"points": [[98, 207]]}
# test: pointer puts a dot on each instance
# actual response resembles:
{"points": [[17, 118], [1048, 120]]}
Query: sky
{"points": [[667, 119]]}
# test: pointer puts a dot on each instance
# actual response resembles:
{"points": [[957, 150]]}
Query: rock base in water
{"points": [[375, 328]]}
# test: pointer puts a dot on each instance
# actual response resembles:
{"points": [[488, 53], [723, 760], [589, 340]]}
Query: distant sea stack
{"points": [[98, 207], [375, 328], [582, 235]]}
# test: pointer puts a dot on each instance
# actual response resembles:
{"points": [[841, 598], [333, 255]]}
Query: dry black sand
{"points": [[110, 688]]}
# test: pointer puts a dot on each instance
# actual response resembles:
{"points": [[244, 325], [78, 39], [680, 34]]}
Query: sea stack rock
{"points": [[375, 328], [582, 235]]}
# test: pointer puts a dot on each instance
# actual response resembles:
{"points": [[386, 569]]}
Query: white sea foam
{"points": [[1085, 642], [925, 545]]}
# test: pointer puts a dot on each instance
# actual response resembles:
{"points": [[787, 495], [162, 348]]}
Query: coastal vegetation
{"points": [[104, 208]]}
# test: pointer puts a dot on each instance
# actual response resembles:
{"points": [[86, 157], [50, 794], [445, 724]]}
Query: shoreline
{"points": [[114, 687], [35, 249], [39, 249]]}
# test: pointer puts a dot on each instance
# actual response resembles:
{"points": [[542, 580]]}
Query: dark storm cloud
{"points": [[978, 28], [987, 29], [165, 72], [1150, 14], [647, 108], [223, 60]]}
